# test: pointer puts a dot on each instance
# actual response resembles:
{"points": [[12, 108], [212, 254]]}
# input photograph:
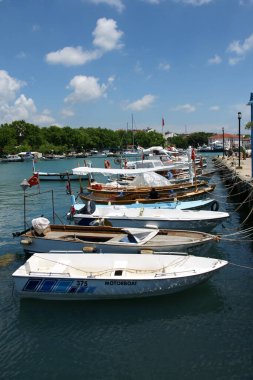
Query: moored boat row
{"points": [[138, 247]]}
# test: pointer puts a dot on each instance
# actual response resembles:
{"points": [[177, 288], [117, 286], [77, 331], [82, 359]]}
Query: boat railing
{"points": [[49, 274]]}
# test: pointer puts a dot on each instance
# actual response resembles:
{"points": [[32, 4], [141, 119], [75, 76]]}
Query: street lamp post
{"points": [[223, 141], [239, 124], [24, 184]]}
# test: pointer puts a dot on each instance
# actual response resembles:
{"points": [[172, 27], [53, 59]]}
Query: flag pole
{"points": [[162, 124]]}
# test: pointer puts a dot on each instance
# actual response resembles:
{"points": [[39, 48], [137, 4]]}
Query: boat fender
{"points": [[107, 164], [146, 251], [26, 241], [89, 249], [215, 206], [151, 226]]}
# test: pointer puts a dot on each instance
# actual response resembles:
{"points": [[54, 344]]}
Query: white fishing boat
{"points": [[58, 176], [11, 158], [199, 220], [112, 276], [43, 237]]}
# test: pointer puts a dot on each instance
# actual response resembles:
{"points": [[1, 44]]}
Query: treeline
{"points": [[20, 136]]}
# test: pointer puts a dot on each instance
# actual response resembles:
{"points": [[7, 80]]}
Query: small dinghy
{"points": [[112, 276]]}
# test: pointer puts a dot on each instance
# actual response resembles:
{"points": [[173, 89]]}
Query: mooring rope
{"points": [[240, 266]]}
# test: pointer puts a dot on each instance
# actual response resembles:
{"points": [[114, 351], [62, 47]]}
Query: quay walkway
{"points": [[232, 164]]}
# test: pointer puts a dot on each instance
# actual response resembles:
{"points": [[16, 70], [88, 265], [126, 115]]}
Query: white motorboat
{"points": [[12, 158], [112, 276], [60, 176], [198, 220], [43, 237]]}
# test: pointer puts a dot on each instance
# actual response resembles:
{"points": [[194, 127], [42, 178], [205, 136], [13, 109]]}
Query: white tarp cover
{"points": [[40, 224], [150, 179]]}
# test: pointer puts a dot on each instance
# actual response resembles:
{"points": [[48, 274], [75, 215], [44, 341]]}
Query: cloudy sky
{"points": [[108, 62]]}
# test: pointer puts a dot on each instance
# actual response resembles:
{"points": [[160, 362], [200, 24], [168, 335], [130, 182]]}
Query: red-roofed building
{"points": [[230, 140]]}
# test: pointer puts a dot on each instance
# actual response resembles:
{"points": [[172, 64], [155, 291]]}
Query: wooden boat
{"points": [[198, 220], [105, 190], [102, 239], [112, 276], [129, 198]]}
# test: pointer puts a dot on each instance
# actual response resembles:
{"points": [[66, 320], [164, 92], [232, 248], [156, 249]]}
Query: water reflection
{"points": [[200, 300]]}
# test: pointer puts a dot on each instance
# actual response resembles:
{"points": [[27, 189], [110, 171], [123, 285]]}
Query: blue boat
{"points": [[203, 204]]}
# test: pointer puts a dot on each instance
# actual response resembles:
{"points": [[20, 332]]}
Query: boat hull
{"points": [[198, 225], [80, 290], [152, 218], [179, 243]]}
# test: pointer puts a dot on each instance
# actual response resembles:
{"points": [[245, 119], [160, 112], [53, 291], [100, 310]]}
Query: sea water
{"points": [[203, 333]]}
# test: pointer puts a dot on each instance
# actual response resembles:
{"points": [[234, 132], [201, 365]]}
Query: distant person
{"points": [[153, 193]]}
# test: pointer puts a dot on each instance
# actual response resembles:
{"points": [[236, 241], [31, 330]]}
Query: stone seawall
{"points": [[238, 179]]}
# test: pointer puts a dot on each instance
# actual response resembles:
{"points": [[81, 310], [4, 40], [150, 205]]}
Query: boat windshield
{"points": [[138, 237]]}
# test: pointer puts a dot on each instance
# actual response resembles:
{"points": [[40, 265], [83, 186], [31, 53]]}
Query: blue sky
{"points": [[100, 62]]}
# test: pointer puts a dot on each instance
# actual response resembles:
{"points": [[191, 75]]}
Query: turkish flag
{"points": [[34, 180], [193, 156]]}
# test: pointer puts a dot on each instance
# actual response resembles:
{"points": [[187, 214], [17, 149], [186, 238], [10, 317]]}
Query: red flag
{"points": [[34, 180], [193, 156]]}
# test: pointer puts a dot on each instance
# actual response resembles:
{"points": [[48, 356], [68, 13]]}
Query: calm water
{"points": [[203, 333]]}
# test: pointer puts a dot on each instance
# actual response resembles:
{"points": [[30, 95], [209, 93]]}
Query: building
{"points": [[230, 140]]}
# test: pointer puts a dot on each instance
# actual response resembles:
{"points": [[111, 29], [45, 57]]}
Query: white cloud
{"points": [[240, 49], [66, 112], [214, 108], [246, 2], [9, 86], [164, 66], [194, 2], [185, 108], [152, 1], [233, 61], [118, 4], [21, 55], [215, 60], [190, 2], [17, 108], [85, 89], [106, 35], [106, 38], [24, 109], [141, 104], [72, 56], [35, 28], [138, 68]]}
